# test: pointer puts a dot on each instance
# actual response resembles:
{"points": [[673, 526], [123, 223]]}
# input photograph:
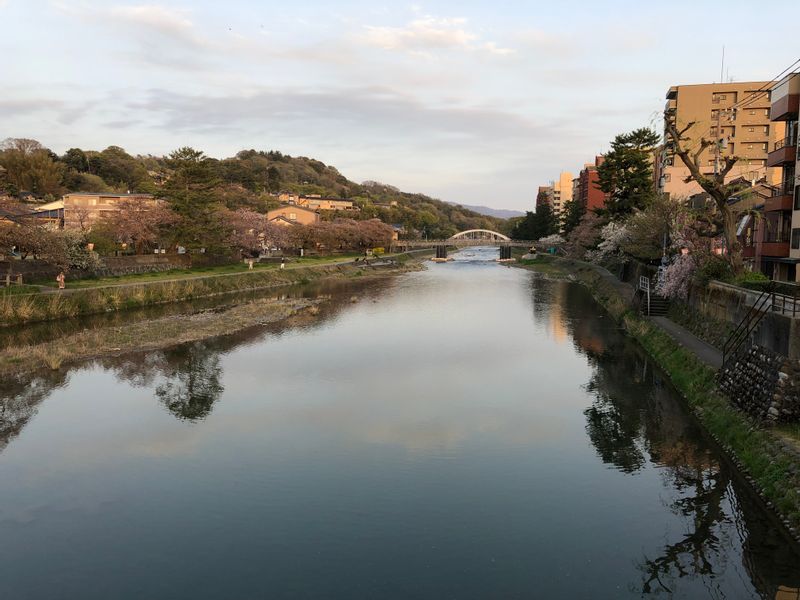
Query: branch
{"points": [[729, 162]]}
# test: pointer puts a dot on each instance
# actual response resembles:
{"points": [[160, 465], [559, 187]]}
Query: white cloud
{"points": [[429, 33]]}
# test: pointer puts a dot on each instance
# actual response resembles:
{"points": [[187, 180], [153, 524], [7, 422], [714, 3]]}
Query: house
{"points": [[291, 214], [80, 210]]}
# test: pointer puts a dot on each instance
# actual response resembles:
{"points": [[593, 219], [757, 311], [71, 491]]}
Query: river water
{"points": [[467, 431]]}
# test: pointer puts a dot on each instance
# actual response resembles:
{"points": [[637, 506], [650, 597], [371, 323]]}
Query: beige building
{"points": [[291, 214], [562, 191], [737, 116], [81, 210], [317, 202]]}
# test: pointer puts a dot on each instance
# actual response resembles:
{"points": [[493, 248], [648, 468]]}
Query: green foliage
{"points": [[751, 279], [626, 174], [571, 215], [713, 268], [536, 225]]}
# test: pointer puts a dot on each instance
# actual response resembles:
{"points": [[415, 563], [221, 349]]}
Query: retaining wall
{"points": [[764, 384]]}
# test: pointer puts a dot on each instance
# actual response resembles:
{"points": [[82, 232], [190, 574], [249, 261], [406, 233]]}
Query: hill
{"points": [[251, 179], [498, 213]]}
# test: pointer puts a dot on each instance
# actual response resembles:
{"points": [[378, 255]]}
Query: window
{"points": [[292, 216], [749, 146], [668, 177], [715, 113], [766, 112], [797, 197], [796, 239], [751, 112], [751, 129], [766, 129]]}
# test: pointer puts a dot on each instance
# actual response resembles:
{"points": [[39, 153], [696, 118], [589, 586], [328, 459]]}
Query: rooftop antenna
{"points": [[722, 66]]}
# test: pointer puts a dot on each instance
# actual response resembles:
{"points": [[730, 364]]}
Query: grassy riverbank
{"points": [[767, 461], [127, 293]]}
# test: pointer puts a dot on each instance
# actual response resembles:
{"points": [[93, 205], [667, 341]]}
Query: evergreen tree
{"points": [[189, 191], [535, 225], [626, 174], [572, 214]]}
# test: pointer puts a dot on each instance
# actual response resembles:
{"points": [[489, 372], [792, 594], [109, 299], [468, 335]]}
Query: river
{"points": [[466, 431]]}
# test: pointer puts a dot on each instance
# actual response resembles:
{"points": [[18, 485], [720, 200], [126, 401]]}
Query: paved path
{"points": [[705, 352]]}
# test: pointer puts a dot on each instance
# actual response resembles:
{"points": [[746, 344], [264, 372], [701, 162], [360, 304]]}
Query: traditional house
{"points": [[291, 214]]}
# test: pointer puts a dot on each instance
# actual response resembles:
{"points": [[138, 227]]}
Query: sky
{"points": [[470, 102]]}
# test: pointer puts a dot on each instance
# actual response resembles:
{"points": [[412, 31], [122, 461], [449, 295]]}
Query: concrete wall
{"points": [[728, 303]]}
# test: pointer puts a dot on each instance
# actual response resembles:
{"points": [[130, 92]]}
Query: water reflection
{"points": [[20, 397], [635, 419], [421, 441]]}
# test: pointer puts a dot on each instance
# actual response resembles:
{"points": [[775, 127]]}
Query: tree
{"points": [[30, 167], [626, 174], [76, 159], [584, 237], [189, 192], [572, 214], [723, 220], [139, 223], [536, 225]]}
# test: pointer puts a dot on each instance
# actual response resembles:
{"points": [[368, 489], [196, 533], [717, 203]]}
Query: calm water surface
{"points": [[470, 431]]}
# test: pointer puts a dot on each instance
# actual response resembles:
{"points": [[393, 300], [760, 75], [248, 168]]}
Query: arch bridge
{"points": [[470, 237]]}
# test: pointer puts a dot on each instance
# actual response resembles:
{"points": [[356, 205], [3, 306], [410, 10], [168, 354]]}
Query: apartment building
{"points": [[585, 187], [779, 235], [544, 195], [562, 191], [736, 116]]}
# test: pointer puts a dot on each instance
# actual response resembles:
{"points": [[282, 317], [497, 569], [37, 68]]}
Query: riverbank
{"points": [[32, 308], [770, 463], [231, 315]]}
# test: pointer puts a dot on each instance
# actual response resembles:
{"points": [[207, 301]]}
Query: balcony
{"points": [[775, 249], [785, 152], [781, 200], [785, 108]]}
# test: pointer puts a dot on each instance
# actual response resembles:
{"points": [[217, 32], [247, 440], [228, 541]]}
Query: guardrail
{"points": [[787, 141]]}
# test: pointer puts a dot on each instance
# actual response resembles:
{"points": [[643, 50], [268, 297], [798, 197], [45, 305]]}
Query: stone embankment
{"points": [[764, 384]]}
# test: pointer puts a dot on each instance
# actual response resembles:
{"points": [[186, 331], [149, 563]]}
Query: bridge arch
{"points": [[480, 234]]}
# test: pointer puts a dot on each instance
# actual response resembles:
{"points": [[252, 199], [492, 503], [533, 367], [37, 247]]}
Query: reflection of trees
{"points": [[20, 398], [192, 382], [701, 551]]}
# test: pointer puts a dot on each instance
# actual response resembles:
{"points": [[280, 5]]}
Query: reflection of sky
{"points": [[435, 429]]}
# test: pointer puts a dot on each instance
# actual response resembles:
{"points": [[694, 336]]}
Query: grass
{"points": [[757, 451], [150, 290], [19, 290], [200, 272]]}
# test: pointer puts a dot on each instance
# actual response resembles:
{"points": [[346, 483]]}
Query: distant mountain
{"points": [[498, 213]]}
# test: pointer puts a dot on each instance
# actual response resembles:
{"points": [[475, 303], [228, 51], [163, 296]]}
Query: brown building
{"points": [[81, 210], [291, 214], [778, 241], [544, 195], [736, 116], [585, 188]]}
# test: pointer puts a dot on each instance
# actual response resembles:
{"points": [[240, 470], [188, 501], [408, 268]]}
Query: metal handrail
{"points": [[787, 141], [747, 325], [786, 189]]}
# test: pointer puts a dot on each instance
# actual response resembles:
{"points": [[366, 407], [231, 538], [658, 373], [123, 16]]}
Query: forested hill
{"points": [[251, 179]]}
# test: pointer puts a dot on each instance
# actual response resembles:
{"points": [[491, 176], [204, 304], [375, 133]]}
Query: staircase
{"points": [[652, 304]]}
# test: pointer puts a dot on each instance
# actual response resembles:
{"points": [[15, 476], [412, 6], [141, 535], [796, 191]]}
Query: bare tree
{"points": [[723, 220]]}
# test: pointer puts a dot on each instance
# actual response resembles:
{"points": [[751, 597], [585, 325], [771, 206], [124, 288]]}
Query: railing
{"points": [[786, 189], [778, 297], [644, 286], [787, 141]]}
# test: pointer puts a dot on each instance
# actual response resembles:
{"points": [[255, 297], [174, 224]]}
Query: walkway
{"points": [[704, 351]]}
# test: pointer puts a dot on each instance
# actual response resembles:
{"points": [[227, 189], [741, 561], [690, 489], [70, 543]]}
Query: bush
{"points": [[753, 280], [713, 268]]}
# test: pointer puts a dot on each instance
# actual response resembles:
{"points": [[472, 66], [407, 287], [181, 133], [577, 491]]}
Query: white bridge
{"points": [[471, 237]]}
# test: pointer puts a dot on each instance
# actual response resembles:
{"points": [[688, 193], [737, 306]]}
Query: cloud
{"points": [[425, 34], [164, 20], [363, 111]]}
